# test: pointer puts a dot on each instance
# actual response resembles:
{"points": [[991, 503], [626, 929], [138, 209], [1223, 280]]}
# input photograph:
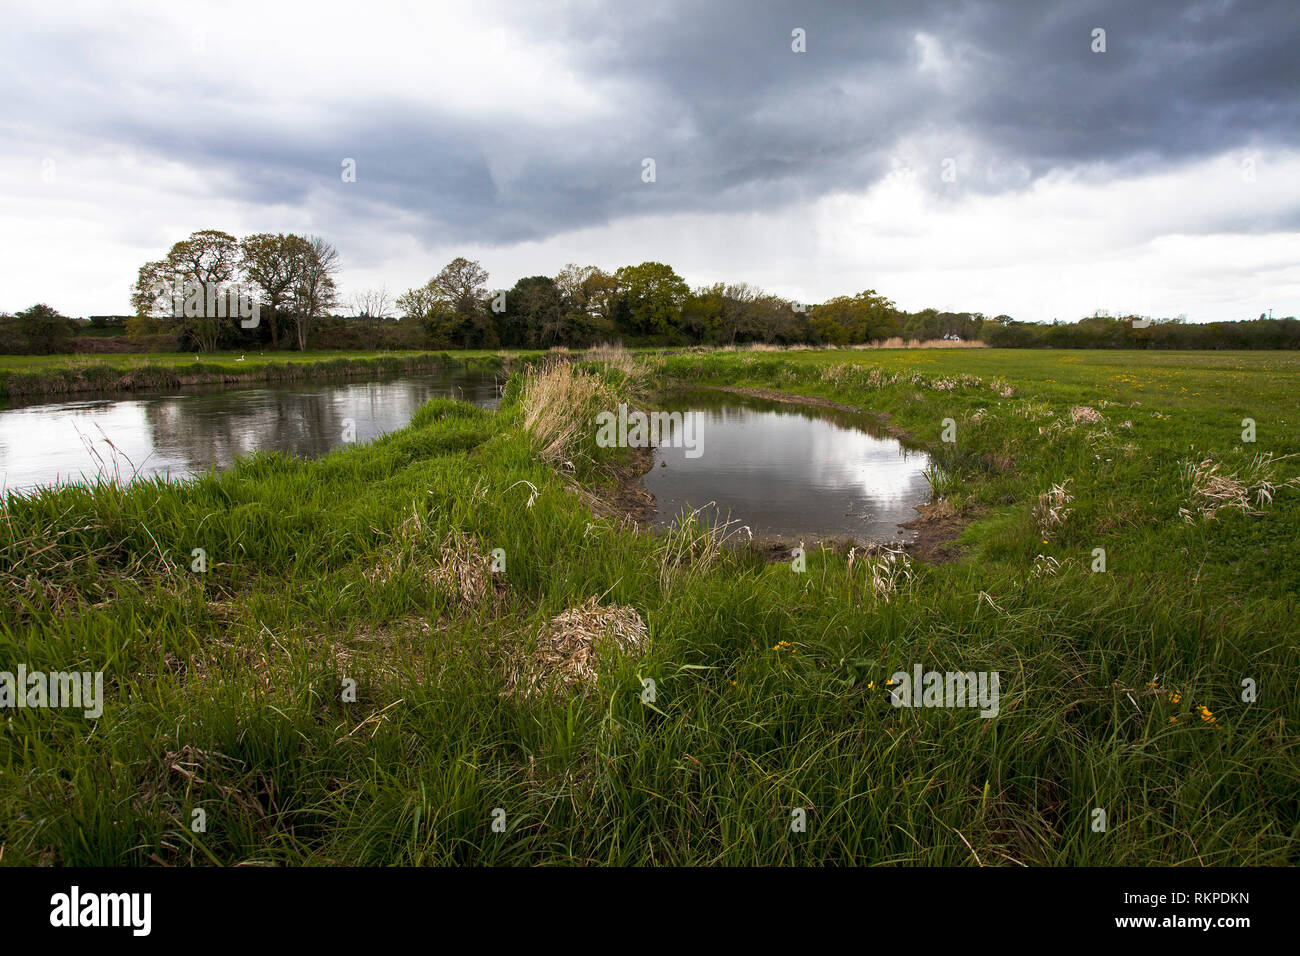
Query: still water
{"points": [[180, 434], [788, 472]]}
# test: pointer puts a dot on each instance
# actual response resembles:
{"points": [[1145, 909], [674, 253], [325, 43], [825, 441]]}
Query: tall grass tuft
{"points": [[694, 546], [560, 402], [1211, 490]]}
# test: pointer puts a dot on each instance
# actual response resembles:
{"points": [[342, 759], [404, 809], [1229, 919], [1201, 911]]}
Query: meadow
{"points": [[451, 646]]}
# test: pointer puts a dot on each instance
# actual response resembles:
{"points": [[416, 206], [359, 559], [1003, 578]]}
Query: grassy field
{"points": [[350, 681], [22, 375]]}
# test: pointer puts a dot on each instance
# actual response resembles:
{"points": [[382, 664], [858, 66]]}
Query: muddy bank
{"points": [[625, 498], [936, 530]]}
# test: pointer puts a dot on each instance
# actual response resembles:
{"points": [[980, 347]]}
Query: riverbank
{"points": [[441, 648], [24, 376]]}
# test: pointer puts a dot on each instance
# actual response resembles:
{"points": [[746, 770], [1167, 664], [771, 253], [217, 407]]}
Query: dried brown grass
{"points": [[1050, 512], [560, 402], [1211, 490], [463, 571], [569, 646], [456, 565], [886, 570]]}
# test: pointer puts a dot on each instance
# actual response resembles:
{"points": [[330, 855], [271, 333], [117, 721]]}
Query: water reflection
{"points": [[179, 434], [790, 472]]}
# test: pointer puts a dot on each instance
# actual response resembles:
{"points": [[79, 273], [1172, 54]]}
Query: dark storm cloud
{"points": [[735, 120], [1178, 81]]}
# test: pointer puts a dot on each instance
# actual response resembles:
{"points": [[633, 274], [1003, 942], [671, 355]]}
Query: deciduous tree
{"points": [[270, 262], [314, 289]]}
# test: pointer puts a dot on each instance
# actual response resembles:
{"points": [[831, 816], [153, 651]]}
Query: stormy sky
{"points": [[962, 155]]}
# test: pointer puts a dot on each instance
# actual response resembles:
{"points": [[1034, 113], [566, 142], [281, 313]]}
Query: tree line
{"points": [[291, 280], [1103, 331], [290, 283]]}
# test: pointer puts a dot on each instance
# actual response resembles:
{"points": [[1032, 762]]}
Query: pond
{"points": [[183, 433], [788, 472]]}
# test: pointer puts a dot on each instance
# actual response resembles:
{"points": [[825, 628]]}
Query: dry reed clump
{"points": [[635, 372], [1211, 490], [876, 378], [950, 383], [1002, 387], [838, 374], [569, 644], [945, 383], [949, 344], [853, 374], [1035, 411], [607, 352], [1050, 511], [560, 403], [462, 570], [614, 355], [1045, 566], [886, 571], [1077, 416], [894, 342]]}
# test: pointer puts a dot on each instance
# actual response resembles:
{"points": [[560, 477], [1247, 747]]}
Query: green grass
{"points": [[22, 375], [11, 363], [224, 687]]}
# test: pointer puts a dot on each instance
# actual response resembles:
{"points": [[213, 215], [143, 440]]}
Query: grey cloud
{"points": [[734, 119]]}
